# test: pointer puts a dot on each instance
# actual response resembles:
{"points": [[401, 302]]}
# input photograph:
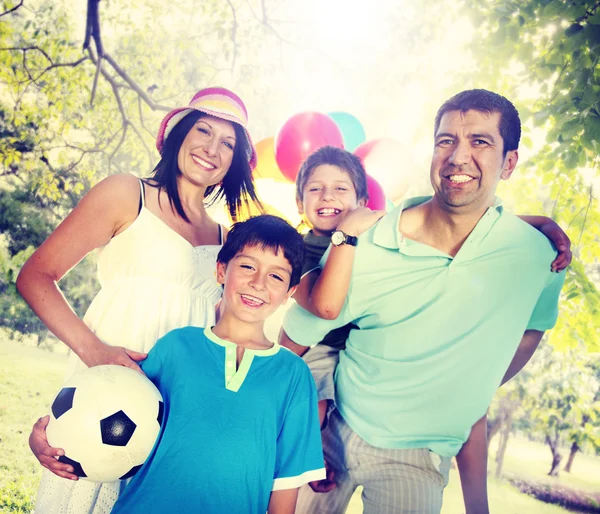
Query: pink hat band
{"points": [[215, 101]]}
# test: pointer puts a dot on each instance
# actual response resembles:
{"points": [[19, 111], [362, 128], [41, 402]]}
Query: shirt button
{"points": [[230, 364], [228, 377]]}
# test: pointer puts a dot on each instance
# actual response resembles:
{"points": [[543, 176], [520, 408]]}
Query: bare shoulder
{"points": [[121, 186], [117, 197]]}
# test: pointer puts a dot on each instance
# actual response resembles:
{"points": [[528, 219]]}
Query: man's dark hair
{"points": [[236, 188], [487, 102], [266, 231], [334, 157]]}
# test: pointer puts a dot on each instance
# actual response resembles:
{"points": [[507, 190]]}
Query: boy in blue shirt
{"points": [[240, 430]]}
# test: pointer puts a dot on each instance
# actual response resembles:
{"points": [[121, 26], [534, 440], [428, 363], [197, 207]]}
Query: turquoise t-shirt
{"points": [[228, 437], [436, 333]]}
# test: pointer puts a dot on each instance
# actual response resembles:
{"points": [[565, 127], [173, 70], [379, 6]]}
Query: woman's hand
{"points": [[46, 454], [101, 353]]}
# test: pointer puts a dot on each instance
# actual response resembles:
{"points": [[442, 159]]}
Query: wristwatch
{"points": [[339, 238]]}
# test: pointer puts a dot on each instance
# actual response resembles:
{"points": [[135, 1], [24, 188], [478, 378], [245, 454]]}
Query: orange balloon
{"points": [[267, 165]]}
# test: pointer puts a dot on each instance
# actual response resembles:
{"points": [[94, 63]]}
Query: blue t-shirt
{"points": [[229, 437]]}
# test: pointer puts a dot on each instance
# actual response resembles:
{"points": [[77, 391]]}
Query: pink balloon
{"points": [[300, 136], [383, 160], [377, 201]]}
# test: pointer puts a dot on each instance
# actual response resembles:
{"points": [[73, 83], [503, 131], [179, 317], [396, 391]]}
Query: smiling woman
{"points": [[158, 250]]}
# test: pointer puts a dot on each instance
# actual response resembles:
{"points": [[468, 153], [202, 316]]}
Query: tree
{"points": [[563, 403], [546, 53]]}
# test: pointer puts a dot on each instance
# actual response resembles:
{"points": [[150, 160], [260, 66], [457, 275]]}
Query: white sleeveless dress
{"points": [[153, 281]]}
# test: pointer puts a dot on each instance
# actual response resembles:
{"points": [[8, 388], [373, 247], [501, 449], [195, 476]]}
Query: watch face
{"points": [[337, 238]]}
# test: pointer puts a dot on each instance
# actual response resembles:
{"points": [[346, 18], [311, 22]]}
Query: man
{"points": [[452, 296]]}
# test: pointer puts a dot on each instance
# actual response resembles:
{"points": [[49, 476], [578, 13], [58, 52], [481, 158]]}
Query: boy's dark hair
{"points": [[266, 231], [334, 157], [237, 187], [487, 102]]}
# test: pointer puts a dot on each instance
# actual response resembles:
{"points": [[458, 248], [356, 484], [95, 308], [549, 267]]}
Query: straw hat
{"points": [[218, 102]]}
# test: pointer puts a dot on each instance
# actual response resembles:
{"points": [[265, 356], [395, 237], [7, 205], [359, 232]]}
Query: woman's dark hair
{"points": [[237, 187], [266, 231]]}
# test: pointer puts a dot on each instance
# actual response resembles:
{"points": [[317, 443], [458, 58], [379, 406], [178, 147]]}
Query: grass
{"points": [[29, 379]]}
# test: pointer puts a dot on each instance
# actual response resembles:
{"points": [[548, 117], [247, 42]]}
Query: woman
{"points": [[156, 264]]}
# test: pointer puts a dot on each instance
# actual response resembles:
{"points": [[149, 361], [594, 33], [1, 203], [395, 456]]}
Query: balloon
{"points": [[383, 160], [300, 136], [352, 129], [277, 198], [377, 199], [267, 166]]}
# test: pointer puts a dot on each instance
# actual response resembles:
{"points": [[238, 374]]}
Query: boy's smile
{"points": [[329, 194], [256, 282]]}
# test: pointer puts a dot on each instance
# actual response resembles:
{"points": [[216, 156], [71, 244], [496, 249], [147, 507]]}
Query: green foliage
{"points": [[548, 51]]}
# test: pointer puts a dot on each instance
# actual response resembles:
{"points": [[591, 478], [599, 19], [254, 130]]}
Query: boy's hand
{"points": [[325, 485], [561, 242], [46, 454], [359, 220]]}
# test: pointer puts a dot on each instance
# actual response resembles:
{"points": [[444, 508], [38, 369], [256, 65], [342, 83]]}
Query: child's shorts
{"points": [[322, 361]]}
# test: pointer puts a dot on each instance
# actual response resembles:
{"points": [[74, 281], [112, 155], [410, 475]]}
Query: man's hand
{"points": [[46, 454], [325, 485]]}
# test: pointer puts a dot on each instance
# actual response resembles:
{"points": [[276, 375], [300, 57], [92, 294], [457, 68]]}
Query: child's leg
{"points": [[336, 500], [322, 361]]}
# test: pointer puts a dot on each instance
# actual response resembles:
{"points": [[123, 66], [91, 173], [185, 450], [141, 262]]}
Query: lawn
{"points": [[29, 379]]}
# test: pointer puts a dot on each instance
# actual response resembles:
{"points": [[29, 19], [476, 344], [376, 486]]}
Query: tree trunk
{"points": [[574, 450], [493, 427], [504, 435], [556, 456]]}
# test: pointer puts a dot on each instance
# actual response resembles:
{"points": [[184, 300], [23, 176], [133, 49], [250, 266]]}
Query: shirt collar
{"points": [[386, 232]]}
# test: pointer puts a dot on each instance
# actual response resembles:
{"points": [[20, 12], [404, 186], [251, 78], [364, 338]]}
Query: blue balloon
{"points": [[352, 129]]}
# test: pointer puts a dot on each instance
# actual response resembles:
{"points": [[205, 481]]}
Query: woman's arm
{"points": [[45, 453], [107, 209], [557, 236], [328, 295], [283, 501]]}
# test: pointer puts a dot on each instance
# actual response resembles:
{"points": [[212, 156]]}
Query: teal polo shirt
{"points": [[436, 333]]}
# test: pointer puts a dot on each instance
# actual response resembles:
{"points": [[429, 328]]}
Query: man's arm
{"points": [[472, 467], [529, 343], [283, 501], [284, 340], [557, 236]]}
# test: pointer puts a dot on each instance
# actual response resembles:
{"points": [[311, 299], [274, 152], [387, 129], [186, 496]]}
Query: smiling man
{"points": [[452, 295]]}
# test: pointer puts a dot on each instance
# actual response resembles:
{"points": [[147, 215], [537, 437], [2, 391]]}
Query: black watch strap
{"points": [[351, 240]]}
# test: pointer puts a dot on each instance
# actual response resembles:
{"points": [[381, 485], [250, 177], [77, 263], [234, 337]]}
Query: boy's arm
{"points": [[557, 236], [472, 467], [329, 292], [283, 501]]}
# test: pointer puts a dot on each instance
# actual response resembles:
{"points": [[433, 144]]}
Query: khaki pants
{"points": [[407, 481]]}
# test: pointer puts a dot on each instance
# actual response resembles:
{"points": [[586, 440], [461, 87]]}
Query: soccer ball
{"points": [[106, 419]]}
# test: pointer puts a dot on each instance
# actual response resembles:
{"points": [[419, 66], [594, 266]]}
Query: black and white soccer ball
{"points": [[106, 419]]}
